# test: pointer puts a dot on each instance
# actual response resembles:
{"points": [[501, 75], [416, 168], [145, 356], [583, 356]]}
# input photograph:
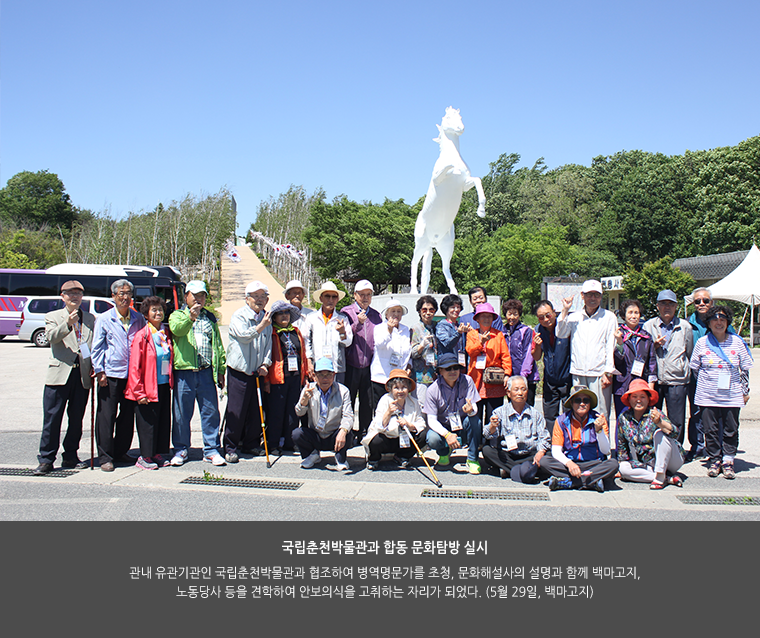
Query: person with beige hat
{"points": [[327, 332]]}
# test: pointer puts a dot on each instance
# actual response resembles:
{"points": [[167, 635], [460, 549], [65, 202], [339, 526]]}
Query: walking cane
{"points": [[263, 427], [422, 456], [92, 425]]}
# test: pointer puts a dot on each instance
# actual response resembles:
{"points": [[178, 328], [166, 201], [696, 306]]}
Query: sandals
{"points": [[728, 471], [676, 480], [656, 485]]}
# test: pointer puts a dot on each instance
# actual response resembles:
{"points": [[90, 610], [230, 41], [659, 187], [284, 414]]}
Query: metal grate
{"points": [[233, 482], [719, 500], [480, 494], [58, 473]]}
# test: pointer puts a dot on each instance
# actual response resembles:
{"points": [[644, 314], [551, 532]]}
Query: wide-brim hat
{"points": [[578, 390], [394, 303], [328, 286], [484, 307], [639, 385], [398, 373], [447, 360], [284, 306]]}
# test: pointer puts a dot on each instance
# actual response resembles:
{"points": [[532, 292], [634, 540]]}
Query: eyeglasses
{"points": [[330, 296], [701, 302], [580, 400], [123, 295]]}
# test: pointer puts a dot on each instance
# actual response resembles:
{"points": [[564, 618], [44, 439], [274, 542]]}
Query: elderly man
{"points": [[592, 343], [517, 435], [331, 418], [674, 343], [69, 332], [556, 353], [362, 318], [111, 343], [198, 368], [249, 357], [294, 293], [326, 332], [451, 409]]}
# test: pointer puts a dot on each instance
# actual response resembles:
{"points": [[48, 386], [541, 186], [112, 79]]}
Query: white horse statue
{"points": [[435, 223]]}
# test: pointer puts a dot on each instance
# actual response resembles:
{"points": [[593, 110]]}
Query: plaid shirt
{"points": [[203, 333], [528, 427]]}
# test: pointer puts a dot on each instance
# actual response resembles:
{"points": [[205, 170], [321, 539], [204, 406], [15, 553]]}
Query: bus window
{"points": [[141, 292]]}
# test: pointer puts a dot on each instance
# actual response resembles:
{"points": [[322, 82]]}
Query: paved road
{"points": [[325, 494]]}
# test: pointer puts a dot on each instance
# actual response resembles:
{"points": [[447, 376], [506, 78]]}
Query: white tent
{"points": [[743, 284]]}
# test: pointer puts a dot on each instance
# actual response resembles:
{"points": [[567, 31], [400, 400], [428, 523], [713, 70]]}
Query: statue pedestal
{"points": [[410, 301]]}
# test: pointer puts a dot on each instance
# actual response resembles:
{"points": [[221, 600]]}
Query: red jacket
{"points": [[277, 371], [142, 381]]}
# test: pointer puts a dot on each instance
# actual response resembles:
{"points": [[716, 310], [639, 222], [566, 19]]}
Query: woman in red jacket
{"points": [[149, 384], [286, 376]]}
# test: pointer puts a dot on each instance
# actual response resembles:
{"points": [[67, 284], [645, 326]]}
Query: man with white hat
{"points": [[249, 356], [326, 332], [199, 363], [294, 293], [592, 343], [363, 318]]}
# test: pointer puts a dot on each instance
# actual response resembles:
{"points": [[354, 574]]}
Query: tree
{"points": [[36, 200], [646, 283]]}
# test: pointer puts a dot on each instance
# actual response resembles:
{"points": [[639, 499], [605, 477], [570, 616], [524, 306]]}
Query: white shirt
{"points": [[592, 341], [392, 350], [323, 339]]}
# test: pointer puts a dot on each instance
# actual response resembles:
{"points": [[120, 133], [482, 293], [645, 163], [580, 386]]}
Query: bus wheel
{"points": [[39, 339]]}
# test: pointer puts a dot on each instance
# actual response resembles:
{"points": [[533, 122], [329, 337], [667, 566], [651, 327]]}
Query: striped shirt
{"points": [[710, 367]]}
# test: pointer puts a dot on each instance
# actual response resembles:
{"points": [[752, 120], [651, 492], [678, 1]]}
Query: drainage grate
{"points": [[479, 494], [719, 500], [12, 471], [233, 482]]}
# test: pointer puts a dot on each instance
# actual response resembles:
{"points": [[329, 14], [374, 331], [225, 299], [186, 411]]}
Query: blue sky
{"points": [[137, 103]]}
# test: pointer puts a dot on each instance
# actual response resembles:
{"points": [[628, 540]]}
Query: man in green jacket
{"points": [[199, 364]]}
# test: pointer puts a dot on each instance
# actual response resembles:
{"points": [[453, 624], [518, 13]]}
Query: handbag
{"points": [[493, 375]]}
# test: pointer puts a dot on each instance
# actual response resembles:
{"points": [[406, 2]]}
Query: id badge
{"points": [[455, 422], [84, 349], [292, 363], [724, 381], [638, 368], [480, 362], [511, 442], [430, 359], [461, 360], [327, 351], [395, 360], [403, 438], [165, 367]]}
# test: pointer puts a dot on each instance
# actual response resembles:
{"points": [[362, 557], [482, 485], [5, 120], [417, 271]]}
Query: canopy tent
{"points": [[743, 284]]}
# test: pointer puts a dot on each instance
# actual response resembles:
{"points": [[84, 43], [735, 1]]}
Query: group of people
{"points": [[466, 381]]}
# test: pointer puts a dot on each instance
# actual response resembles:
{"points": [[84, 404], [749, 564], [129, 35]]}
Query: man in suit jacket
{"points": [[69, 378]]}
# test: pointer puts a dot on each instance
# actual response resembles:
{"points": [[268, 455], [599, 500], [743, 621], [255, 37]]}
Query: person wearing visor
{"points": [[331, 418], [393, 347], [68, 381], [397, 418], [580, 445], [327, 332], [451, 406], [719, 360]]}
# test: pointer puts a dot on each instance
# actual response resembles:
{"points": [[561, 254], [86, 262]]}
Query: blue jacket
{"points": [[111, 343]]}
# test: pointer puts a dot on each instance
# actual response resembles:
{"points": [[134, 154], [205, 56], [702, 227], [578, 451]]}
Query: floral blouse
{"points": [[635, 439]]}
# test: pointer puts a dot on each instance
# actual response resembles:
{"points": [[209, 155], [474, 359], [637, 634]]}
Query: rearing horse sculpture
{"points": [[435, 223]]}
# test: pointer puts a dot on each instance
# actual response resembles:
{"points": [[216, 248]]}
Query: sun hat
{"points": [[284, 306], [324, 363], [484, 307], [328, 286], [254, 286], [592, 285], [196, 286], [394, 303], [398, 373], [577, 390], [639, 385]]}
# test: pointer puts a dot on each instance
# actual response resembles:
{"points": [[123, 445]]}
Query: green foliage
{"points": [[284, 219], [29, 249], [646, 283], [36, 200]]}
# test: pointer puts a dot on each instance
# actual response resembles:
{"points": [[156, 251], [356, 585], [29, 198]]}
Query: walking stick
{"points": [[263, 427], [422, 456], [92, 426]]}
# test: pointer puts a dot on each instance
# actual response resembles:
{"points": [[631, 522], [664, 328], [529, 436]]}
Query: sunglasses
{"points": [[719, 315], [581, 400], [450, 368], [701, 302]]}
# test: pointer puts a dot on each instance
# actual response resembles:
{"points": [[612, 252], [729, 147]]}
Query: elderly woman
{"points": [[489, 354], [397, 416], [719, 359], [286, 376], [393, 347], [424, 346], [635, 356], [149, 384], [580, 445], [647, 442], [520, 343], [448, 333]]}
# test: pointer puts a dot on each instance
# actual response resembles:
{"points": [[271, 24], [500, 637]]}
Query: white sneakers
{"points": [[215, 459], [311, 460], [179, 458]]}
